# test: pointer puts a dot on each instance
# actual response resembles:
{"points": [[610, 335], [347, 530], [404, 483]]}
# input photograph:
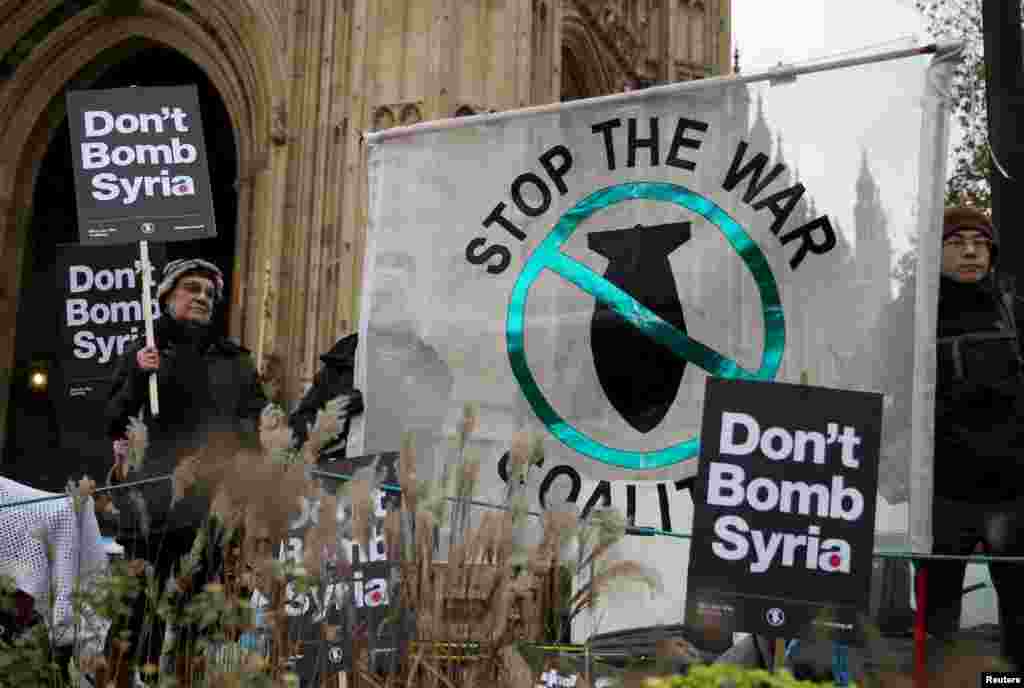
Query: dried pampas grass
{"points": [[185, 476], [138, 441], [468, 478], [560, 528], [537, 451], [407, 472], [490, 593], [255, 484], [81, 492], [326, 427], [598, 533], [320, 540], [363, 507], [519, 458], [467, 425], [514, 671], [275, 435], [393, 535], [616, 574]]}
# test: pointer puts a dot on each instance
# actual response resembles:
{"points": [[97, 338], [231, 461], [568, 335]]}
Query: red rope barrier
{"points": [[920, 634]]}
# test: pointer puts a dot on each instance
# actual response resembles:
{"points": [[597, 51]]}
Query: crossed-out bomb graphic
{"points": [[638, 310]]}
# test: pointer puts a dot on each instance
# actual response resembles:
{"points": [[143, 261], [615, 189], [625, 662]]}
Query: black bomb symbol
{"points": [[639, 376]]}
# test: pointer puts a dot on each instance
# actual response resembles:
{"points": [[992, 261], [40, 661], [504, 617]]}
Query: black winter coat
{"points": [[336, 377], [208, 388], [979, 408], [979, 396]]}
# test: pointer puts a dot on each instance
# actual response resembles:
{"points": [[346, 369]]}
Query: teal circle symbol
{"points": [[548, 256]]}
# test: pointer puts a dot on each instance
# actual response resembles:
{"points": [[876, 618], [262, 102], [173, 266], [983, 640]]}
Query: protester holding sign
{"points": [[979, 493], [211, 401]]}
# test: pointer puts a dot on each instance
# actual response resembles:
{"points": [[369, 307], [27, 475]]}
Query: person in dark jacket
{"points": [[210, 400], [979, 438], [336, 378]]}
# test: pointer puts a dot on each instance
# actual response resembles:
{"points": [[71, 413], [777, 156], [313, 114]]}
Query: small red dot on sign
{"points": [[375, 597], [834, 561]]}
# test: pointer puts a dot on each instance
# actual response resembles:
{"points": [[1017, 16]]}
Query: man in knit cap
{"points": [[979, 438], [210, 401]]}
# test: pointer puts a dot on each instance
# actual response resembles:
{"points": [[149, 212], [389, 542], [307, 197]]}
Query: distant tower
{"points": [[873, 248], [786, 178], [760, 139], [747, 340]]}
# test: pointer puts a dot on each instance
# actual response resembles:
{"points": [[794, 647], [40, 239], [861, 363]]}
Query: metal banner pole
{"points": [[146, 268]]}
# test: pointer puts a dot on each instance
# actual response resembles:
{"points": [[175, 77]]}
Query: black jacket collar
{"points": [[176, 334]]}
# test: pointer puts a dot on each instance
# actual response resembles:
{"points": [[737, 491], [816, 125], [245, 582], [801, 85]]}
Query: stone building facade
{"points": [[301, 80]]}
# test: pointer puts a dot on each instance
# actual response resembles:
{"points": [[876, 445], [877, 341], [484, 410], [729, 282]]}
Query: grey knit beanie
{"points": [[177, 269]]}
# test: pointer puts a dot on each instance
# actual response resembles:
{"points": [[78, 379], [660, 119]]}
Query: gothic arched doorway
{"points": [[49, 439], [588, 66]]}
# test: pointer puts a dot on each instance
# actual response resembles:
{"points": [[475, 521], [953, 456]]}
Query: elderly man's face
{"points": [[966, 256], [192, 299]]}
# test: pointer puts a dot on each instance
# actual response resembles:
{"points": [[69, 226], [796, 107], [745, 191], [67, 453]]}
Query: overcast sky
{"points": [[799, 31]]}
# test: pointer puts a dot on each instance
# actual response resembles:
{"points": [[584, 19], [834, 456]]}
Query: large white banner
{"points": [[580, 269]]}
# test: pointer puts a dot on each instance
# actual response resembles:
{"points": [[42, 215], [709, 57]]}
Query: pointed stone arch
{"points": [[588, 67], [227, 40]]}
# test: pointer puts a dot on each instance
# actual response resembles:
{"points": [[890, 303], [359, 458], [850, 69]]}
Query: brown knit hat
{"points": [[962, 218]]}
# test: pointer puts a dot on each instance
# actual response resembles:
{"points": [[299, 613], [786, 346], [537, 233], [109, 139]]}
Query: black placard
{"points": [[357, 601], [140, 163], [378, 617], [784, 510], [99, 309], [99, 313]]}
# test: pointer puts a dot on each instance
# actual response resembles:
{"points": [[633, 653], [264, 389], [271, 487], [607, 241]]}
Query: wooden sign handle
{"points": [[146, 268], [779, 661]]}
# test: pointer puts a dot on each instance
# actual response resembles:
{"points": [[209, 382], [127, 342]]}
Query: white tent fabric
{"points": [[47, 543], [580, 269]]}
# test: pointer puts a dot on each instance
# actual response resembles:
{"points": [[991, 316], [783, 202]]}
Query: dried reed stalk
{"points": [[393, 535], [413, 667], [325, 428], [559, 529], [407, 473], [366, 676], [619, 571], [321, 537], [422, 595], [275, 435], [138, 442], [360, 491], [438, 594], [467, 425], [518, 459], [514, 671], [437, 674]]}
